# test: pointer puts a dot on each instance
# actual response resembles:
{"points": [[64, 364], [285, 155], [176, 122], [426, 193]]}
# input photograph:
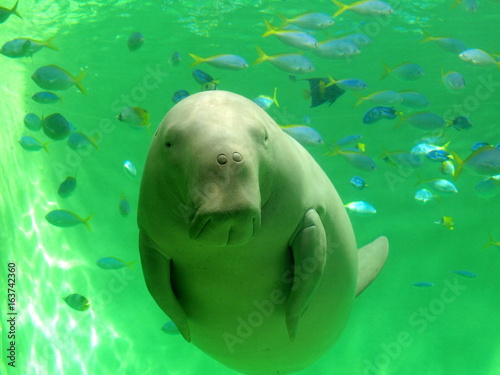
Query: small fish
{"points": [[447, 222], [46, 97], [413, 99], [32, 144], [135, 116], [348, 84], [24, 47], [440, 186], [378, 113], [424, 148], [386, 97], [64, 219], [135, 41], [336, 49], [293, 38], [492, 242], [123, 206], [423, 284], [372, 8], [308, 21], [361, 208], [202, 77], [478, 145], [439, 156], [478, 57], [77, 302], [358, 182], [447, 168], [488, 188], [484, 161], [228, 62], [5, 13], [320, 93], [67, 187], [56, 126], [406, 71], [265, 102], [78, 139], [52, 77], [113, 263], [175, 59], [424, 121], [356, 158], [130, 169], [461, 123], [349, 139], [451, 45], [424, 196], [465, 274], [402, 158], [453, 81], [469, 5], [179, 95], [32, 122], [170, 328], [288, 62], [305, 135]]}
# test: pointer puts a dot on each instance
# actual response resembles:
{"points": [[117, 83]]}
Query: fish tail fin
{"points": [[384, 154], [78, 82], [275, 99], [491, 241], [401, 119], [86, 222], [197, 59], [306, 94], [459, 164], [342, 8], [457, 2], [427, 37], [48, 43], [334, 149], [332, 81], [387, 70], [420, 180], [93, 141], [270, 29], [14, 10], [45, 147], [262, 56], [285, 21], [131, 264], [361, 99]]}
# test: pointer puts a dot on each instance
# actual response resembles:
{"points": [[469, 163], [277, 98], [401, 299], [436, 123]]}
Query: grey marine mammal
{"points": [[244, 241]]}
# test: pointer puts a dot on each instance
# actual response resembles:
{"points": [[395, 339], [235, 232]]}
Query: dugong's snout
{"points": [[222, 228]]}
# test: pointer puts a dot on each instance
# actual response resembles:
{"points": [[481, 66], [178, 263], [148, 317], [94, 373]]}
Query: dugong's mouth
{"points": [[224, 228]]}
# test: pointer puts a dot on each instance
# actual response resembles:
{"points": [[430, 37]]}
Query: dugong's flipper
{"points": [[308, 244], [371, 259], [156, 269]]}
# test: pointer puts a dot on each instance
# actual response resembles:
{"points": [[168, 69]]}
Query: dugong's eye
{"points": [[168, 144]]}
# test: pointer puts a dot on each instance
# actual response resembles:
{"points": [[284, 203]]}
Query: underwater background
{"points": [[450, 327]]}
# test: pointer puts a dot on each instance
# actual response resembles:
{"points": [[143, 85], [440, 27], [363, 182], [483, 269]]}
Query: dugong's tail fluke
{"points": [[371, 259]]}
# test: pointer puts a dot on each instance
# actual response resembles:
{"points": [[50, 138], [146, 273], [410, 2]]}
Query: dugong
{"points": [[244, 242]]}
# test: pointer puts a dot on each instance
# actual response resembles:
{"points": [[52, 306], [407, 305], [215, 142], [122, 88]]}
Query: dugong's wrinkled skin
{"points": [[245, 243]]}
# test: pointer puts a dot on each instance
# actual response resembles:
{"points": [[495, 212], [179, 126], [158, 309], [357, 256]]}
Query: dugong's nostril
{"points": [[237, 157], [222, 159]]}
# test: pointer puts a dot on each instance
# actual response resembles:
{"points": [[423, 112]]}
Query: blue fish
{"points": [[478, 145], [113, 263], [52, 77], [32, 122], [461, 123], [439, 155], [24, 47], [56, 126], [288, 62], [123, 206], [77, 302], [201, 77], [135, 41], [170, 328], [129, 169], [5, 13], [378, 113], [349, 139], [229, 62], [64, 219], [77, 140], [361, 208], [413, 99], [358, 182], [423, 284], [424, 196], [179, 95], [305, 135], [32, 144], [466, 274], [46, 97], [67, 187], [175, 59]]}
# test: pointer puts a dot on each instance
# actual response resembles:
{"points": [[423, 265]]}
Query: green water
{"points": [[395, 328]]}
